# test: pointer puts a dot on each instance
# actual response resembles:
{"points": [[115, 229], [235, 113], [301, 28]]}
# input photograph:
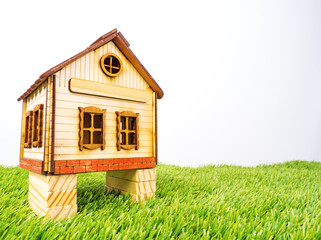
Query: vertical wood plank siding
{"points": [[88, 68]]}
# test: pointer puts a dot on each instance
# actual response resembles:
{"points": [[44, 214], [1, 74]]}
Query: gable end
{"points": [[121, 43]]}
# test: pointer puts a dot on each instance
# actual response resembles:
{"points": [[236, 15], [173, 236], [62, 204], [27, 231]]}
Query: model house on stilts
{"points": [[96, 111]]}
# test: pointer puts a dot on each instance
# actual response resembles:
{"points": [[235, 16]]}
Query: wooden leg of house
{"points": [[53, 196], [140, 184]]}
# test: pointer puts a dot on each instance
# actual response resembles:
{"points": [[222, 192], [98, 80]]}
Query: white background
{"points": [[241, 78]]}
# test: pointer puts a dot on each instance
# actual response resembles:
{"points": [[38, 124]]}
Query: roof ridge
{"points": [[106, 35], [121, 43]]}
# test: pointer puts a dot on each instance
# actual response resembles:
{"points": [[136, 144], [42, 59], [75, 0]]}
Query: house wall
{"points": [[35, 98], [67, 113], [88, 68]]}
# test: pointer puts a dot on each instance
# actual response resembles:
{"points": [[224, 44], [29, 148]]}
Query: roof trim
{"points": [[121, 43]]}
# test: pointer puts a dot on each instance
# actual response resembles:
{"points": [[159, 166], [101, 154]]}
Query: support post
{"points": [[54, 197], [140, 183]]}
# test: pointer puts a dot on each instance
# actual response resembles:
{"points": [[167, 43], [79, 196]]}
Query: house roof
{"points": [[121, 43]]}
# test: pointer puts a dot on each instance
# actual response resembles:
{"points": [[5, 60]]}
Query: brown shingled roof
{"points": [[121, 43]]}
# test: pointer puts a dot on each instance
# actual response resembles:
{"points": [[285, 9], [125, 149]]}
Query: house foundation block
{"points": [[140, 183], [54, 197]]}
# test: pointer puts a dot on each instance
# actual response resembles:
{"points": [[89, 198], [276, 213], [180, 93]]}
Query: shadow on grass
{"points": [[94, 196]]}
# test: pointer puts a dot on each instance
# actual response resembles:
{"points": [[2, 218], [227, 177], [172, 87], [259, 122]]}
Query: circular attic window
{"points": [[111, 64]]}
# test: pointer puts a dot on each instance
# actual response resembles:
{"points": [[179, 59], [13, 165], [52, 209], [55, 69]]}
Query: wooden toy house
{"points": [[96, 111]]}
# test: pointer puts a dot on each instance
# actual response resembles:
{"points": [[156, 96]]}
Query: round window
{"points": [[111, 64]]}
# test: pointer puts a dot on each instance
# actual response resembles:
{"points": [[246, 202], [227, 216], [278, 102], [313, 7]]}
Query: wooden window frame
{"points": [[37, 126], [103, 65], [92, 111], [28, 129], [126, 131]]}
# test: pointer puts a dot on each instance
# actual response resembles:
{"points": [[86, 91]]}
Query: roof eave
{"points": [[121, 43]]}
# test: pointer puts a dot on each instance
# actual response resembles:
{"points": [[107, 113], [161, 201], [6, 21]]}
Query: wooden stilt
{"points": [[53, 196], [140, 183]]}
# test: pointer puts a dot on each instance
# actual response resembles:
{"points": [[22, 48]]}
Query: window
{"points": [[28, 130], [37, 126], [127, 130], [92, 128], [111, 64]]}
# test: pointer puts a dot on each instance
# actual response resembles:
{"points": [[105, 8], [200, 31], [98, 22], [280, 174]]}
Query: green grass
{"points": [[281, 201]]}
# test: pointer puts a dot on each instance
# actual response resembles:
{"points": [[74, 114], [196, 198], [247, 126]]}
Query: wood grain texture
{"points": [[118, 116], [37, 98], [67, 126], [134, 175], [23, 126], [47, 145], [28, 129], [125, 131], [137, 132], [64, 98], [93, 112], [45, 159], [107, 90], [140, 184], [88, 68], [62, 125], [110, 62], [38, 126], [114, 37], [128, 154], [155, 129], [53, 196], [98, 152], [53, 125]]}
